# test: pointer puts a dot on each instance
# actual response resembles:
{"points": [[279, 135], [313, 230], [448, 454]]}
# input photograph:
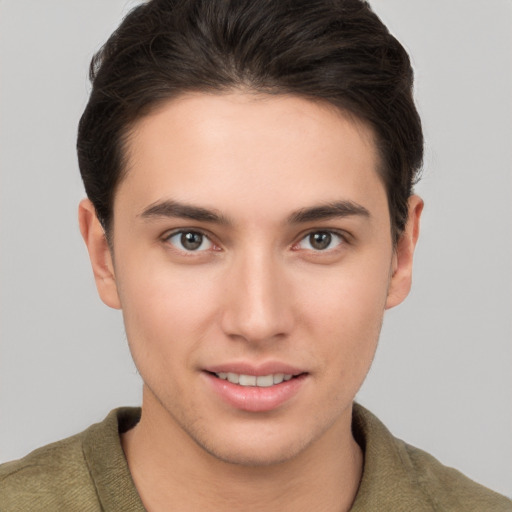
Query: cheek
{"points": [[346, 312], [165, 308], [356, 290]]}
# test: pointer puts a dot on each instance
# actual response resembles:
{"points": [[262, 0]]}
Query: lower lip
{"points": [[254, 398]]}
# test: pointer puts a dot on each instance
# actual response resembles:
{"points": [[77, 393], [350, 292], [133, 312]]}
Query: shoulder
{"points": [[449, 489], [398, 476], [87, 472], [54, 477]]}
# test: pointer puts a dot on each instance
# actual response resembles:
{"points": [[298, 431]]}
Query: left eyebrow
{"points": [[337, 209]]}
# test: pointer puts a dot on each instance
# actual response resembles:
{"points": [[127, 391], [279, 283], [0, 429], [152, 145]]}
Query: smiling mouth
{"points": [[256, 393], [262, 381]]}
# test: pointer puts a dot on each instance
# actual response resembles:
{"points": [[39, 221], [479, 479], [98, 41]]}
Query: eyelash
{"points": [[342, 240], [184, 232]]}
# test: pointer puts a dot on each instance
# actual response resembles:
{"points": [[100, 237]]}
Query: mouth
{"points": [[261, 381], [264, 392]]}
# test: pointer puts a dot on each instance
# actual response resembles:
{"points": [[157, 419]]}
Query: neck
{"points": [[168, 467]]}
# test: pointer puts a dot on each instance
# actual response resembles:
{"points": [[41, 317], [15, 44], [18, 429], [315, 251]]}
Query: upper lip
{"points": [[246, 368]]}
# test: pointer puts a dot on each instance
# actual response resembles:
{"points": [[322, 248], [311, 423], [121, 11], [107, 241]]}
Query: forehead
{"points": [[204, 118], [235, 149]]}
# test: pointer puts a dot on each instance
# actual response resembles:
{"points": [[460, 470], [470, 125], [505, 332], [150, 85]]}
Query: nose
{"points": [[258, 301]]}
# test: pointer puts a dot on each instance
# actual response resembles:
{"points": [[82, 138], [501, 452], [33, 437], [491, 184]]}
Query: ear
{"points": [[401, 277], [99, 254]]}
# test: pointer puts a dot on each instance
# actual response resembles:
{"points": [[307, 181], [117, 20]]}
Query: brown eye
{"points": [[321, 241], [190, 241]]}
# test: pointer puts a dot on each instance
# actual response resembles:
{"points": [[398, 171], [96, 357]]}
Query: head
{"points": [[337, 52], [249, 166]]}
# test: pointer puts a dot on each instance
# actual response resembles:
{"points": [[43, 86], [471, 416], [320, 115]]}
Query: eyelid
{"points": [[345, 237], [176, 231]]}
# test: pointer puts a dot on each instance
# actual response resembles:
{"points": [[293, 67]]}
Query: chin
{"points": [[261, 455], [259, 445]]}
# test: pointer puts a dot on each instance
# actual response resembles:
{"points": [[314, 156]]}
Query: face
{"points": [[253, 261]]}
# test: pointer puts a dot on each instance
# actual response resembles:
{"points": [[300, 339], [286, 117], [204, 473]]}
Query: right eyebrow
{"points": [[174, 209]]}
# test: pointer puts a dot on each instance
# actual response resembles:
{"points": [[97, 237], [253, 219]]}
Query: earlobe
{"points": [[401, 272], [99, 254]]}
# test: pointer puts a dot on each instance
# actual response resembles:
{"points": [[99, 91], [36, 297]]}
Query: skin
{"points": [[257, 290]]}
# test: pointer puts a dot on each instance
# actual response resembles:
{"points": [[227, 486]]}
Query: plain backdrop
{"points": [[442, 376]]}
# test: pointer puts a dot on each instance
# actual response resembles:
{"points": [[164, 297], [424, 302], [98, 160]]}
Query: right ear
{"points": [[99, 254]]}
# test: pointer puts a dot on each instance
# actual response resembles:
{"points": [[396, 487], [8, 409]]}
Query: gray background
{"points": [[442, 376]]}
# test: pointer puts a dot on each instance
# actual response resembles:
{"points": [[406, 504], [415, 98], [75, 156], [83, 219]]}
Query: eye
{"points": [[320, 241], [190, 241]]}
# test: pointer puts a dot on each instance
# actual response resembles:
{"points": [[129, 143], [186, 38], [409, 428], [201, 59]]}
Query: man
{"points": [[249, 169]]}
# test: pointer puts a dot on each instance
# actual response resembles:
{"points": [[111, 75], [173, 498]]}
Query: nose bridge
{"points": [[256, 306]]}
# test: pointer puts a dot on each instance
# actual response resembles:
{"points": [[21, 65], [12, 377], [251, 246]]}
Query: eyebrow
{"points": [[174, 209], [336, 209]]}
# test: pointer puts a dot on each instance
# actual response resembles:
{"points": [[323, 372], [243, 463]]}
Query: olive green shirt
{"points": [[89, 472]]}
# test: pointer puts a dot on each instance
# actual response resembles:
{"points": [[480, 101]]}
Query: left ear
{"points": [[401, 277]]}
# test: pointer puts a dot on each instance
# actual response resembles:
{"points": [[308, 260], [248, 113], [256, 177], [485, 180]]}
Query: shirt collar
{"points": [[389, 482]]}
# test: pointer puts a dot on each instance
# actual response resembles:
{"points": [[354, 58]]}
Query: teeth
{"points": [[262, 381], [233, 377], [247, 380], [278, 378]]}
